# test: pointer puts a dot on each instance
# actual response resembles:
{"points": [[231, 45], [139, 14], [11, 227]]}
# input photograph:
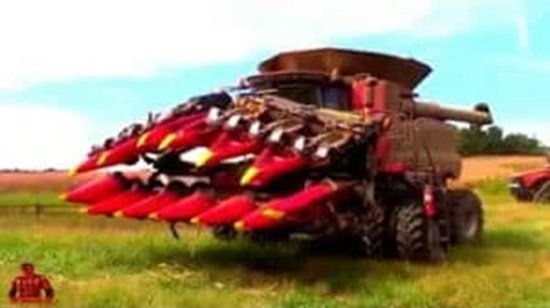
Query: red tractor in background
{"points": [[327, 145], [533, 185]]}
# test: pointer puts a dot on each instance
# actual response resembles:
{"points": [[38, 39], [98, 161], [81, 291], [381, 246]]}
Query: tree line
{"points": [[474, 141]]}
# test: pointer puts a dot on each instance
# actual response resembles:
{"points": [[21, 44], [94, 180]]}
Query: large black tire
{"points": [[417, 237], [466, 216], [367, 229], [542, 194], [370, 235]]}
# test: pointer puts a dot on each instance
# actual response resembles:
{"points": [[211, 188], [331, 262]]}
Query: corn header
{"points": [[326, 145]]}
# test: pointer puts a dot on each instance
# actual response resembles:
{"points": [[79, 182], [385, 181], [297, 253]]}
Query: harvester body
{"points": [[325, 145]]}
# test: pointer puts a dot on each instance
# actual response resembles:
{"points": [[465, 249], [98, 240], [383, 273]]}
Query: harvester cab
{"points": [[307, 88], [326, 145]]}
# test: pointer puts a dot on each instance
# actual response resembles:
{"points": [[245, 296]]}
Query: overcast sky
{"points": [[72, 72]]}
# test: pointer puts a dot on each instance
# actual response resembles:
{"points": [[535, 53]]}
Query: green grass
{"points": [[96, 262], [28, 198]]}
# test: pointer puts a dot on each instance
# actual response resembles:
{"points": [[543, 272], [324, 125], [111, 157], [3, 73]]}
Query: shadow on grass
{"points": [[498, 244], [516, 239], [339, 272], [255, 265]]}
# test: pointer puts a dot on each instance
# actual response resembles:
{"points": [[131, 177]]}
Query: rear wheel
{"points": [[417, 236], [466, 215]]}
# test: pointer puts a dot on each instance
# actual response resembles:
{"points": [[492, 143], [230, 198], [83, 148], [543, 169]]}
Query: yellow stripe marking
{"points": [[102, 158], [167, 141], [249, 175], [239, 226], [142, 140], [72, 171], [204, 158], [273, 214]]}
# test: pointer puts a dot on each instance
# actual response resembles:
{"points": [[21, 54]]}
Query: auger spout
{"points": [[481, 115]]}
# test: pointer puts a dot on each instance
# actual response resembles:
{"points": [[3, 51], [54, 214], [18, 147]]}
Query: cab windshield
{"points": [[305, 94], [333, 97]]}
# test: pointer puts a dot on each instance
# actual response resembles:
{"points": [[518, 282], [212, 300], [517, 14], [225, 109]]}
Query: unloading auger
{"points": [[324, 145]]}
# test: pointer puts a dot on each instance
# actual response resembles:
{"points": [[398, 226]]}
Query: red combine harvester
{"points": [[533, 185], [324, 145]]}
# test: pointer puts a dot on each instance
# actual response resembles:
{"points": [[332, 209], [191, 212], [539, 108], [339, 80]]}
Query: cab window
{"points": [[336, 98], [300, 93]]}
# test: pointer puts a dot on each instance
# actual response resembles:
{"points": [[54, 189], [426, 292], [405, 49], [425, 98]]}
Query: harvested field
{"points": [[53, 181], [483, 167]]}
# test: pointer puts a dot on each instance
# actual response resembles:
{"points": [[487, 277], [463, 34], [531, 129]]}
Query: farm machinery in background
{"points": [[533, 185], [324, 145]]}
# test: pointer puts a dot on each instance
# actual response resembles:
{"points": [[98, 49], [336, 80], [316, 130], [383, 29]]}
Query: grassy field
{"points": [[99, 262]]}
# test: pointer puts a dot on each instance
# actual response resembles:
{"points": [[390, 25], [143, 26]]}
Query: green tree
{"points": [[474, 141]]}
